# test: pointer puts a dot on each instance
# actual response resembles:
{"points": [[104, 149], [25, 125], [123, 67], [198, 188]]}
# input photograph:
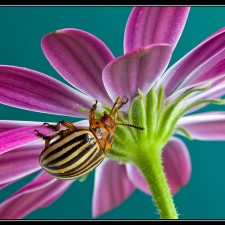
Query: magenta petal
{"points": [[137, 178], [21, 136], [217, 90], [20, 162], [29, 89], [151, 25], [177, 165], [36, 194], [205, 126], [191, 61], [212, 69], [209, 72], [6, 125], [15, 138], [80, 58], [111, 187], [136, 70]]}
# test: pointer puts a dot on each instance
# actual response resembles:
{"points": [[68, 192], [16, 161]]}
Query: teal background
{"points": [[21, 31]]}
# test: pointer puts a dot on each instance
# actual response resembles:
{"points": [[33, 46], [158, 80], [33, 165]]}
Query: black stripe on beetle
{"points": [[70, 160], [63, 143], [83, 168]]}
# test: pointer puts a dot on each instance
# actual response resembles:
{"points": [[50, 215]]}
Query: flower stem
{"points": [[150, 165]]}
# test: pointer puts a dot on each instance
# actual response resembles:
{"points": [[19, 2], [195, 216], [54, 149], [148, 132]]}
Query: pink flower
{"points": [[85, 62]]}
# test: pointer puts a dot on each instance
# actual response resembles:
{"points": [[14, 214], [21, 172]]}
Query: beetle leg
{"points": [[65, 123], [45, 137], [64, 133], [69, 125], [53, 127], [122, 103], [116, 110], [92, 112], [116, 102]]}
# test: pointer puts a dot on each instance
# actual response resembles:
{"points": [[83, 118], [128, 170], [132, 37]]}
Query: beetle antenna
{"points": [[131, 125]]}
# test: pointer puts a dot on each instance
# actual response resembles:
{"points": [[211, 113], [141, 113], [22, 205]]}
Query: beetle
{"points": [[78, 151]]}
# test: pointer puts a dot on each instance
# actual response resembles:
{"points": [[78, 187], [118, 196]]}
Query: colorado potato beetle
{"points": [[78, 151]]}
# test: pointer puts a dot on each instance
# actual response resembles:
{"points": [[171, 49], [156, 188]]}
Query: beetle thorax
{"points": [[104, 129]]}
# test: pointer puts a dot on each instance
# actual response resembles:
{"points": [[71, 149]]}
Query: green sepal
{"points": [[86, 111], [184, 110], [169, 117], [185, 132], [116, 154], [151, 113], [137, 116], [160, 101]]}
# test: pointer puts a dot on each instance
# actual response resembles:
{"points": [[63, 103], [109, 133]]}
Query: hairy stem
{"points": [[150, 164]]}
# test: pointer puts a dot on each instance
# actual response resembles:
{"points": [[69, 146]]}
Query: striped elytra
{"points": [[72, 156], [76, 152]]}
